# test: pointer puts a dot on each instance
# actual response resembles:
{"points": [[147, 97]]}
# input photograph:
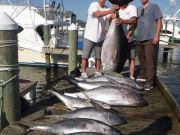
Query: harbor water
{"points": [[169, 72]]}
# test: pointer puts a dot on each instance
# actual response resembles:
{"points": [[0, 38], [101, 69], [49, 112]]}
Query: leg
{"points": [[149, 53], [87, 49], [141, 56], [84, 65], [132, 57], [98, 65], [132, 67], [97, 50]]}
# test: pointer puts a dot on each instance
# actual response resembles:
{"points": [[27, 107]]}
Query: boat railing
{"points": [[170, 37]]}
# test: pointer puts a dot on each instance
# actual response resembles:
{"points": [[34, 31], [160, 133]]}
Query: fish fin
{"points": [[97, 104], [100, 105], [27, 131], [88, 99]]}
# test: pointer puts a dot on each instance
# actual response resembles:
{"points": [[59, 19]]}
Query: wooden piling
{"points": [[165, 54], [9, 72], [46, 42], [73, 41]]}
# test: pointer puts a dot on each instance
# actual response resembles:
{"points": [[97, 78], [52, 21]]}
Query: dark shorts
{"points": [[132, 50], [88, 47]]}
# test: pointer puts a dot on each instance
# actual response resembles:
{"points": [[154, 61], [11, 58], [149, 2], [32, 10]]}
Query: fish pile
{"points": [[91, 112]]}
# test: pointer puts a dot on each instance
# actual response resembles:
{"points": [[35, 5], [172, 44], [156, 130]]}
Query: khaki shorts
{"points": [[88, 47]]}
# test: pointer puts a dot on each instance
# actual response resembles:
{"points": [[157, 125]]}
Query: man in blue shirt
{"points": [[148, 30]]}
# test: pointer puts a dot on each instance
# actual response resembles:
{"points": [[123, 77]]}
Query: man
{"points": [[128, 17], [95, 34], [148, 30]]}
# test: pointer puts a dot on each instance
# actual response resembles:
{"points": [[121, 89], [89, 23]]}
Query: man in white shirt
{"points": [[128, 18], [95, 34]]}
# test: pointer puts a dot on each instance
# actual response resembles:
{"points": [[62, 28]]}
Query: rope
{"points": [[17, 8], [8, 41], [9, 65], [9, 45], [9, 68], [3, 83]]}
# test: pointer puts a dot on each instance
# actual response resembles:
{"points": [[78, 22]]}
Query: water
{"points": [[80, 40], [46, 78], [169, 73]]}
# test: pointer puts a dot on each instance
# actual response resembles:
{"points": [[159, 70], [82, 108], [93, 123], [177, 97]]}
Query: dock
{"points": [[60, 51], [160, 117]]}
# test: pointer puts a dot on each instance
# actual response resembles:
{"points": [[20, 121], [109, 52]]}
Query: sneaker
{"points": [[84, 75], [138, 79], [131, 77], [97, 74], [148, 86]]}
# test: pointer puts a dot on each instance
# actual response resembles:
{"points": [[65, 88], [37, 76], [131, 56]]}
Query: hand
{"points": [[155, 40], [114, 8], [119, 21], [129, 37], [113, 16]]}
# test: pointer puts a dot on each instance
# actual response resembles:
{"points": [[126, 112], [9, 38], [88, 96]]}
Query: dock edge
{"points": [[169, 98]]}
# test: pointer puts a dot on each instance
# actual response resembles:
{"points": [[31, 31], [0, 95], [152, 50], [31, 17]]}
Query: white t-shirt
{"points": [[127, 13], [95, 26]]}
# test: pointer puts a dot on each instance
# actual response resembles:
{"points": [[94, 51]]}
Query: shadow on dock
{"points": [[160, 127]]}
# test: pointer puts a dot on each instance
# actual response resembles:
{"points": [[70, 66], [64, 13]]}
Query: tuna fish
{"points": [[91, 85], [69, 126], [124, 80], [112, 96], [109, 117], [114, 49], [74, 103], [108, 78]]}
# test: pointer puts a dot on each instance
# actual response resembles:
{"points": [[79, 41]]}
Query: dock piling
{"points": [[46, 42], [73, 41], [9, 72]]}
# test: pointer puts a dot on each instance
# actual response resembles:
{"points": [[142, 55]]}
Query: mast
{"points": [[9, 1], [45, 16]]}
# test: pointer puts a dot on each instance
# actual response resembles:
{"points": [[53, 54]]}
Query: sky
{"points": [[80, 7]]}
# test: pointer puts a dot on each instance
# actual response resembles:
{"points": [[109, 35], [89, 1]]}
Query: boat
{"points": [[170, 33], [31, 20]]}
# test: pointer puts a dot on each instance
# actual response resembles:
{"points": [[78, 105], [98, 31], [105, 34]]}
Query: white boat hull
{"points": [[31, 57]]}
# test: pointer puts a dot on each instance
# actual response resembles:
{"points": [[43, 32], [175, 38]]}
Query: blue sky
{"points": [[79, 7]]}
